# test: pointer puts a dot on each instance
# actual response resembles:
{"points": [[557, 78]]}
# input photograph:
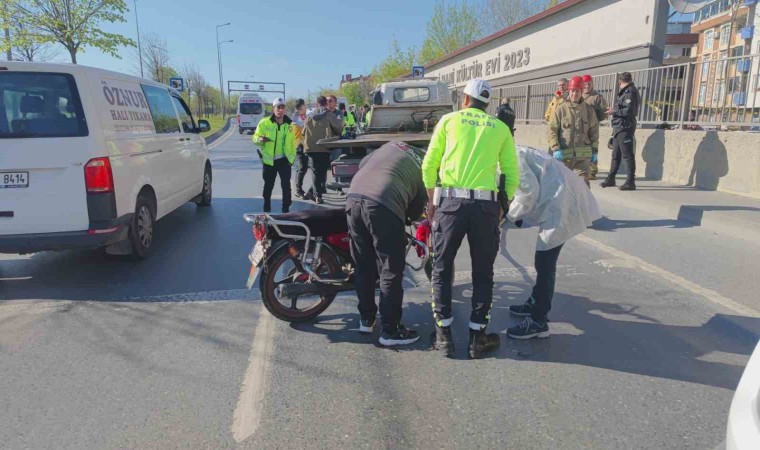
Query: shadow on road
{"points": [[197, 251], [616, 337], [607, 224]]}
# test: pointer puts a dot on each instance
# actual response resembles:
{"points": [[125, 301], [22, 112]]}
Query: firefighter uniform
{"points": [[558, 99], [465, 151], [599, 104], [574, 131]]}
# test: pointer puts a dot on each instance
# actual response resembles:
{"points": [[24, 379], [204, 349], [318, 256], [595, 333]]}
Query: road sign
{"points": [[177, 83], [245, 86], [418, 71], [261, 87]]}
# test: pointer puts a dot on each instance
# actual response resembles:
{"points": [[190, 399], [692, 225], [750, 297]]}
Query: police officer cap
{"points": [[476, 89], [279, 101]]}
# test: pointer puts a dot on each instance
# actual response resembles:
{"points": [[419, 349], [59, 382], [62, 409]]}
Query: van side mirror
{"points": [[203, 126]]}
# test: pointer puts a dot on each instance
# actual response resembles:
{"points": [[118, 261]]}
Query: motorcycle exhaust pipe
{"points": [[290, 290]]}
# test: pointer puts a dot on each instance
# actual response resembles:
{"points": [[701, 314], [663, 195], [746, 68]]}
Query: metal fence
{"points": [[723, 92]]}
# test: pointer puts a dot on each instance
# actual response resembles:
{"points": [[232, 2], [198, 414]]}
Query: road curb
{"points": [[216, 135]]}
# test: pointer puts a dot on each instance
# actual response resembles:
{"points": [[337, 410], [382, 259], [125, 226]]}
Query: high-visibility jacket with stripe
{"points": [[282, 139]]}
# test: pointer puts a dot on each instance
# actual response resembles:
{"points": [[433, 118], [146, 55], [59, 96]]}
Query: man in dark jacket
{"points": [[320, 124], [623, 128], [385, 193]]}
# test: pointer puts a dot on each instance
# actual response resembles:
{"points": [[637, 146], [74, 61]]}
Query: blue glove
{"points": [[594, 158], [558, 155]]}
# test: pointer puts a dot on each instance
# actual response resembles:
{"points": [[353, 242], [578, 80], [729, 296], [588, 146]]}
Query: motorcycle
{"points": [[302, 260]]}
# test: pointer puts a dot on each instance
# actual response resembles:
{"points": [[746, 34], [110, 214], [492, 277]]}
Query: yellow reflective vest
{"points": [[282, 139], [467, 148]]}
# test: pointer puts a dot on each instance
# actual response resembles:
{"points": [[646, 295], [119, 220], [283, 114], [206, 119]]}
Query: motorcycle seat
{"points": [[321, 221]]}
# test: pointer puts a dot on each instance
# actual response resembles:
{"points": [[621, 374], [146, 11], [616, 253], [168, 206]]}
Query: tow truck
{"points": [[404, 111]]}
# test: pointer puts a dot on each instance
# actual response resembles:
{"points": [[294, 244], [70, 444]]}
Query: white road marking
{"points": [[638, 263], [248, 412], [222, 139]]}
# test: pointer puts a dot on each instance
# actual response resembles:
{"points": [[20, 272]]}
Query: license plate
{"points": [[256, 256], [10, 180], [246, 124]]}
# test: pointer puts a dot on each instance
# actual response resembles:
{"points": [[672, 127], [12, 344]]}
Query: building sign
{"points": [[570, 35]]}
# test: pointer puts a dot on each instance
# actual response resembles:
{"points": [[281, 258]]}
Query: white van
{"points": [[92, 158], [250, 111]]}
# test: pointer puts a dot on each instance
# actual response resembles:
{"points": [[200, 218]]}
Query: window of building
{"points": [[702, 93], [686, 51], [722, 63], [725, 34], [719, 92], [705, 68], [709, 38]]}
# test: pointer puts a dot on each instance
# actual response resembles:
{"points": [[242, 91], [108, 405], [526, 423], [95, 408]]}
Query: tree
{"points": [[28, 47], [451, 27], [77, 24], [396, 64], [356, 92], [155, 58], [195, 85], [499, 14]]}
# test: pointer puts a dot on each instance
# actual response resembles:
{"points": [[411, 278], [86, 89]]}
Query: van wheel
{"points": [[142, 228], [205, 198]]}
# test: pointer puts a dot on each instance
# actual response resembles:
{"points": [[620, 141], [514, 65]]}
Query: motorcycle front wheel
{"points": [[281, 268]]}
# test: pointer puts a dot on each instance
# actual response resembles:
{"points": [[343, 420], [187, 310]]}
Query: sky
{"points": [[306, 44]]}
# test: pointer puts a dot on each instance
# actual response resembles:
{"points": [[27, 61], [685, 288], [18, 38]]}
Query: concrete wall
{"points": [[713, 160]]}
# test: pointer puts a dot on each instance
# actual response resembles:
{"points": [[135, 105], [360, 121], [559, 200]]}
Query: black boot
{"points": [[443, 341], [482, 342], [629, 185], [608, 182]]}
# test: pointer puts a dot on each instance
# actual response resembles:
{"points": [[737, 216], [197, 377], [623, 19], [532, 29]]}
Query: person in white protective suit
{"points": [[551, 196]]}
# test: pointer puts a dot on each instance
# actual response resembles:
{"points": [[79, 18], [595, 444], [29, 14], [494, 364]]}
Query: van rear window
{"points": [[40, 105], [250, 108]]}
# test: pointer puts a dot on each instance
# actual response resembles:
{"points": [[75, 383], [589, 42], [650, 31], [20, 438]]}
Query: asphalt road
{"points": [[652, 324]]}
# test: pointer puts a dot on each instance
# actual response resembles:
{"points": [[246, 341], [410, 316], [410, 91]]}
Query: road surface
{"points": [[652, 324]]}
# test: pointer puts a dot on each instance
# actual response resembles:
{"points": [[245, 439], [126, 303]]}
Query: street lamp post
{"points": [[219, 64], [221, 75], [139, 45]]}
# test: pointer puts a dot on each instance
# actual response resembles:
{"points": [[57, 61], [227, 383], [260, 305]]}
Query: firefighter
{"points": [[596, 101], [465, 151], [574, 131], [559, 97]]}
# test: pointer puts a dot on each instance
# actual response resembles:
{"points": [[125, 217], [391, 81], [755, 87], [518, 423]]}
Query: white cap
{"points": [[278, 101], [475, 88]]}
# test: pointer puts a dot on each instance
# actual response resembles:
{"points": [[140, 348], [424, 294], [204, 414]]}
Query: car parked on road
{"points": [[93, 158]]}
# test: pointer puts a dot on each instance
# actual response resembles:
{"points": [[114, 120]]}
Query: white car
{"points": [[744, 417], [92, 158]]}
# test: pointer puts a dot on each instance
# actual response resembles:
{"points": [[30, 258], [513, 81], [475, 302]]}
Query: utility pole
{"points": [[219, 63], [221, 75], [139, 45]]}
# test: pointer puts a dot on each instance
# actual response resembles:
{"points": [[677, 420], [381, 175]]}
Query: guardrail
{"points": [[710, 92]]}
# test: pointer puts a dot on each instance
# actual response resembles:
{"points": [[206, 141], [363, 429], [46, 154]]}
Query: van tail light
{"points": [[259, 231], [98, 177]]}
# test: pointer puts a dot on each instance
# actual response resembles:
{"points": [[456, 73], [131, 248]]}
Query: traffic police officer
{"points": [[623, 128], [277, 137], [574, 131], [466, 149], [598, 102]]}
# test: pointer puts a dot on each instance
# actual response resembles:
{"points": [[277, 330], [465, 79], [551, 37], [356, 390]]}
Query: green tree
{"points": [[77, 24], [451, 27], [356, 92], [397, 63]]}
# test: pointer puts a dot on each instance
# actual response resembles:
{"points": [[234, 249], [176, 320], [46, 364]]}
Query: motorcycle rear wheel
{"points": [[279, 269]]}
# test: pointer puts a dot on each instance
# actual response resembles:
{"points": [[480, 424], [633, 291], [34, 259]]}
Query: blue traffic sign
{"points": [[177, 83]]}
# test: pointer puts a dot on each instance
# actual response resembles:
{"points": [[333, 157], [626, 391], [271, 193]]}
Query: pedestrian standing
{"points": [[302, 159], [385, 193], [559, 97], [277, 138], [551, 196], [624, 115], [599, 104], [465, 151], [320, 124], [574, 131]]}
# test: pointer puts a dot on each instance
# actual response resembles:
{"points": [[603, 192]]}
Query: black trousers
{"points": [[320, 164], [479, 221], [281, 167], [377, 248], [546, 275], [302, 166], [623, 146]]}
